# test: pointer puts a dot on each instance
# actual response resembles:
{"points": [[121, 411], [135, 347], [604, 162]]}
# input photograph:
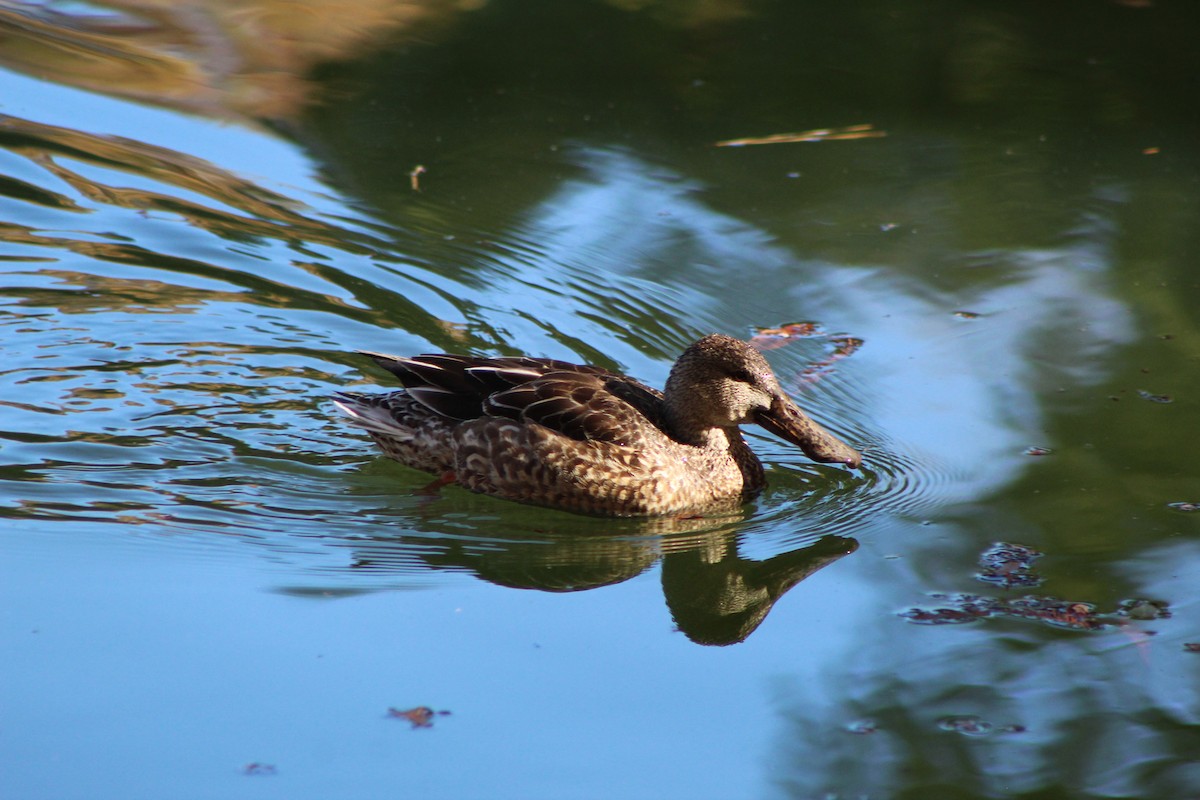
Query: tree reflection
{"points": [[1085, 733]]}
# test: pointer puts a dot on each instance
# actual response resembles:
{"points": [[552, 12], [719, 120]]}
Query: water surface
{"points": [[214, 587]]}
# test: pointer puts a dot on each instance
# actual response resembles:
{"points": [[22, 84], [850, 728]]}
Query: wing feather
{"points": [[583, 402], [578, 406]]}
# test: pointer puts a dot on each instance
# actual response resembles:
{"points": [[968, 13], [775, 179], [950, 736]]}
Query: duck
{"points": [[584, 439]]}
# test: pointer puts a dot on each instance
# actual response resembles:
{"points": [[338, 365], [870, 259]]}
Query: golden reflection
{"points": [[246, 59], [220, 58]]}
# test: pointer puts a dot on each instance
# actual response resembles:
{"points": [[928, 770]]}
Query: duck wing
{"points": [[458, 387], [600, 407]]}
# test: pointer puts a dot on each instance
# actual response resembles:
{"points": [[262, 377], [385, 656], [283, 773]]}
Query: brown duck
{"points": [[584, 439]]}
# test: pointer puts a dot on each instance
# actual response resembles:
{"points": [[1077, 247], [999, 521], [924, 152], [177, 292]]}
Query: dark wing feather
{"points": [[579, 401], [458, 386], [648, 401], [580, 406], [440, 383]]}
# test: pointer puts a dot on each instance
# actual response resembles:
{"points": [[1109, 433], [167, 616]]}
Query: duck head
{"points": [[722, 382]]}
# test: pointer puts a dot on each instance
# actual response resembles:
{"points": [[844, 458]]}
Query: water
{"points": [[213, 587]]}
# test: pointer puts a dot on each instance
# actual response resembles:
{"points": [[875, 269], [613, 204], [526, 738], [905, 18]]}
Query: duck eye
{"points": [[743, 375]]}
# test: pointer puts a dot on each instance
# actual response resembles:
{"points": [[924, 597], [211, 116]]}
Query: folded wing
{"points": [[581, 402]]}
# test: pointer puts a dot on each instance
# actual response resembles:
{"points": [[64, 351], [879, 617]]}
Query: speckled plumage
{"points": [[584, 439]]}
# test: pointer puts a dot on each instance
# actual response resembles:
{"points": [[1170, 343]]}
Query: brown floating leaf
{"points": [[1192, 647], [1049, 610], [420, 717], [849, 132], [771, 338], [414, 177], [842, 346], [969, 612]]}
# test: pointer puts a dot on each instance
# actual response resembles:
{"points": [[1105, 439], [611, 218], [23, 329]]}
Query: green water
{"points": [[213, 587]]}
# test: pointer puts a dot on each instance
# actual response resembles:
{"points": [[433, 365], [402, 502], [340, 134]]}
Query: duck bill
{"points": [[788, 422]]}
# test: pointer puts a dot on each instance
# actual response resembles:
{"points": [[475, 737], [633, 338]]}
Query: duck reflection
{"points": [[716, 596]]}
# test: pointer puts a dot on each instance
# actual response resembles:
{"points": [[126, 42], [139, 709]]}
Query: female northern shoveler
{"points": [[585, 439]]}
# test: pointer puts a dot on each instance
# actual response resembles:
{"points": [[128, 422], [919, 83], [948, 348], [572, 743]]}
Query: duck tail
{"points": [[372, 413], [404, 429]]}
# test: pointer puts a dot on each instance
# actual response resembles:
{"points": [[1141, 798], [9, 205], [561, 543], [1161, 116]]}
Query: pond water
{"points": [[214, 587]]}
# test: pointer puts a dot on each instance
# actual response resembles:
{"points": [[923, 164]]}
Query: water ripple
{"points": [[177, 373]]}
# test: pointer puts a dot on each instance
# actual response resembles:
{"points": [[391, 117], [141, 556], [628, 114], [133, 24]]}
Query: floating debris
{"points": [[842, 346], [1059, 613], [1142, 609], [1155, 398], [862, 727], [1191, 647], [1009, 565], [1047, 610], [414, 176], [849, 132], [420, 717], [963, 608], [962, 314], [941, 616], [970, 725], [1038, 451], [845, 346], [771, 338], [1012, 565], [256, 768], [1188, 507]]}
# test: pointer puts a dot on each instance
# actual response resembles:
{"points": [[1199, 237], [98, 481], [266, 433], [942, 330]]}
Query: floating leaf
{"points": [[1048, 610], [420, 717], [849, 132], [771, 338]]}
